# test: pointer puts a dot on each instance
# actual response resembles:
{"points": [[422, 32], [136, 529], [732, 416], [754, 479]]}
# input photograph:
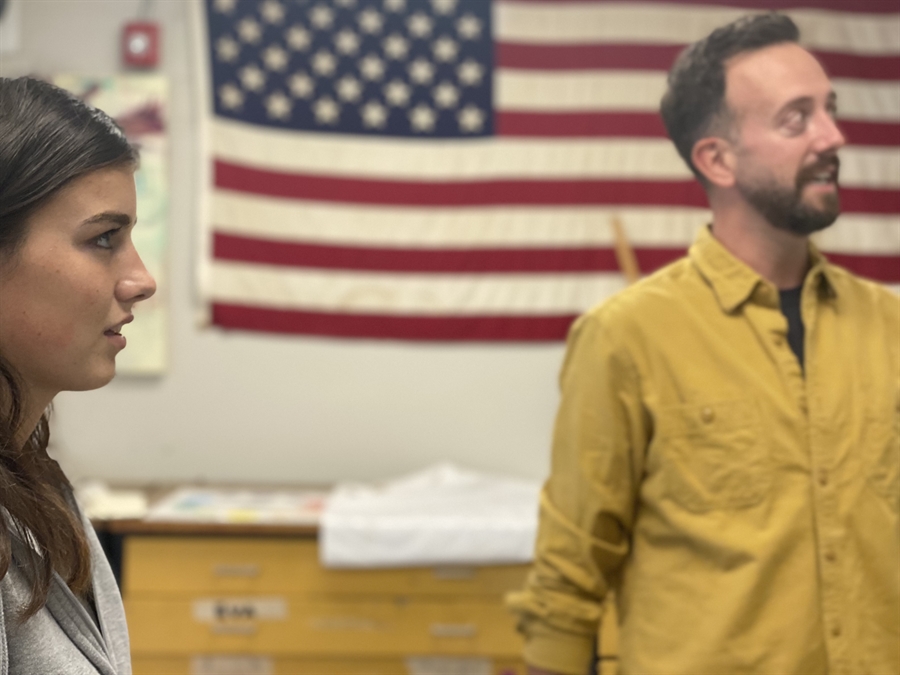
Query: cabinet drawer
{"points": [[263, 665], [289, 625], [274, 565]]}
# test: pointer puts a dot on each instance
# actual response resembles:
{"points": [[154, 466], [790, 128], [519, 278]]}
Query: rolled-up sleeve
{"points": [[587, 505]]}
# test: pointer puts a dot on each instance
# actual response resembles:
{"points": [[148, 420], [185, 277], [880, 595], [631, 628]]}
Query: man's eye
{"points": [[795, 120]]}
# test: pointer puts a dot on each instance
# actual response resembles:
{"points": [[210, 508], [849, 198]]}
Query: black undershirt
{"points": [[790, 307]]}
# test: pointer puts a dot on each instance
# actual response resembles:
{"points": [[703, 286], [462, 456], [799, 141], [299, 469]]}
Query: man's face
{"points": [[786, 137]]}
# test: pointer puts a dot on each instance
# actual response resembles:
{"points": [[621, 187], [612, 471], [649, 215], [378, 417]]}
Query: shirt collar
{"points": [[734, 282]]}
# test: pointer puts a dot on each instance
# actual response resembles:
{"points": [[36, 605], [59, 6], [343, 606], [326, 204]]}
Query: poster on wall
{"points": [[139, 105], [10, 25]]}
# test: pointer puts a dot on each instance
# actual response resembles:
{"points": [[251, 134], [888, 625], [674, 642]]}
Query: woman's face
{"points": [[67, 292]]}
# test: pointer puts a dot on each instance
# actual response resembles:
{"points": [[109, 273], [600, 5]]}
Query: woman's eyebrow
{"points": [[111, 217]]}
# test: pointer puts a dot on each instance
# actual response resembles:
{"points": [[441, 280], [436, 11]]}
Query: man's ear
{"points": [[714, 158]]}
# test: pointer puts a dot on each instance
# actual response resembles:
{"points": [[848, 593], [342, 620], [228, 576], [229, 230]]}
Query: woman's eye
{"points": [[105, 239]]}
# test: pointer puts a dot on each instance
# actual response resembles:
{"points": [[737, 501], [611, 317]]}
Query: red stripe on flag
{"points": [[868, 200], [473, 261], [527, 56], [649, 125], [883, 268], [436, 260], [586, 56], [456, 193], [375, 326], [498, 192], [853, 6], [639, 125], [870, 133]]}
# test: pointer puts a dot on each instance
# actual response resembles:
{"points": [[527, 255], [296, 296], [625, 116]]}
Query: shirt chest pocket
{"points": [[709, 455]]}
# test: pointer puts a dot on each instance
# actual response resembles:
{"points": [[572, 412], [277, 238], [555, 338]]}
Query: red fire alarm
{"points": [[140, 44]]}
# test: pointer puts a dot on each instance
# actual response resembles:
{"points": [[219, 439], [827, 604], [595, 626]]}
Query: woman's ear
{"points": [[714, 158]]}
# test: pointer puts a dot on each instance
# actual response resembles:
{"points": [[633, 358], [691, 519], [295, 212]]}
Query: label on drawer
{"points": [[448, 665], [214, 610], [231, 665]]}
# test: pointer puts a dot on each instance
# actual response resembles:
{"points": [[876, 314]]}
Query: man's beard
{"points": [[784, 207]]}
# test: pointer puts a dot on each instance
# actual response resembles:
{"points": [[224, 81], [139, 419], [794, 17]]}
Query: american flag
{"points": [[452, 169]]}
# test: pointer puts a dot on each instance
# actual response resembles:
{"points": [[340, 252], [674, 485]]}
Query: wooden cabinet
{"points": [[254, 605]]}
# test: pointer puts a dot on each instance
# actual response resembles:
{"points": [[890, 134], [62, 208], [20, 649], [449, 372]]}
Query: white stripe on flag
{"points": [[641, 91], [510, 227], [496, 158], [410, 294], [640, 22]]}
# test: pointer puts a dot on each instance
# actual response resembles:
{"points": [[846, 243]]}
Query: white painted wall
{"points": [[246, 407]]}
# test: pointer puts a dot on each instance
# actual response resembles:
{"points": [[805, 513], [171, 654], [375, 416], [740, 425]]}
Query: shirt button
{"points": [[830, 556], [836, 630], [707, 415], [823, 478], [779, 340]]}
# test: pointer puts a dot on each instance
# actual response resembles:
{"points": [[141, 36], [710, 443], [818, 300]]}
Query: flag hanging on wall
{"points": [[453, 169]]}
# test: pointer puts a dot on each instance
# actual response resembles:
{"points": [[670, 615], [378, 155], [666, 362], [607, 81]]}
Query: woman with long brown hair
{"points": [[69, 277]]}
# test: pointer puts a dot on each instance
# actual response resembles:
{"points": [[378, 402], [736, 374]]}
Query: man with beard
{"points": [[727, 450]]}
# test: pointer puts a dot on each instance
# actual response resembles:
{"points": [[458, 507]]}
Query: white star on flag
{"points": [[231, 96], [374, 115], [443, 6], [396, 46], [347, 42], [272, 11], [470, 72], [324, 63], [372, 67], [422, 118], [249, 30], [252, 77], [301, 85], [371, 21], [279, 106], [420, 25], [225, 6], [421, 71], [445, 49], [470, 119], [348, 88], [298, 38], [275, 58], [321, 16], [228, 49], [396, 92], [469, 27], [326, 110], [446, 95]]}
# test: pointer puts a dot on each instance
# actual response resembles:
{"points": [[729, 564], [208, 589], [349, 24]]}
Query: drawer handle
{"points": [[453, 630], [233, 628], [243, 571]]}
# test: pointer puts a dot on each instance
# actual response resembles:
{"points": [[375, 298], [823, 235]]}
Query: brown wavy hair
{"points": [[47, 139]]}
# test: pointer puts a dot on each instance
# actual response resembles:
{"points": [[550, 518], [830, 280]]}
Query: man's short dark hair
{"points": [[694, 103]]}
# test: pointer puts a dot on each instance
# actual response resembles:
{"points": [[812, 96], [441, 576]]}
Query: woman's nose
{"points": [[137, 283]]}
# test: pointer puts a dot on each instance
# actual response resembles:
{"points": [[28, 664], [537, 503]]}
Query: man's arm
{"points": [[587, 504]]}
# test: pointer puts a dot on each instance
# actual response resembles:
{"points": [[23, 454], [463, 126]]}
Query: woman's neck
{"points": [[34, 403]]}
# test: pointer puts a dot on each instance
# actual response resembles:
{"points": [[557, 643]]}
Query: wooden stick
{"points": [[624, 253]]}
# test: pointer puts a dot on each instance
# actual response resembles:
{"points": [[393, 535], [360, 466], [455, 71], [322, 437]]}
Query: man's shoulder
{"points": [[864, 295], [643, 301]]}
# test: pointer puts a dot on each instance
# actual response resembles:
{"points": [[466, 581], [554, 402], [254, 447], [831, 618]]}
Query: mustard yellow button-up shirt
{"points": [[745, 514]]}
